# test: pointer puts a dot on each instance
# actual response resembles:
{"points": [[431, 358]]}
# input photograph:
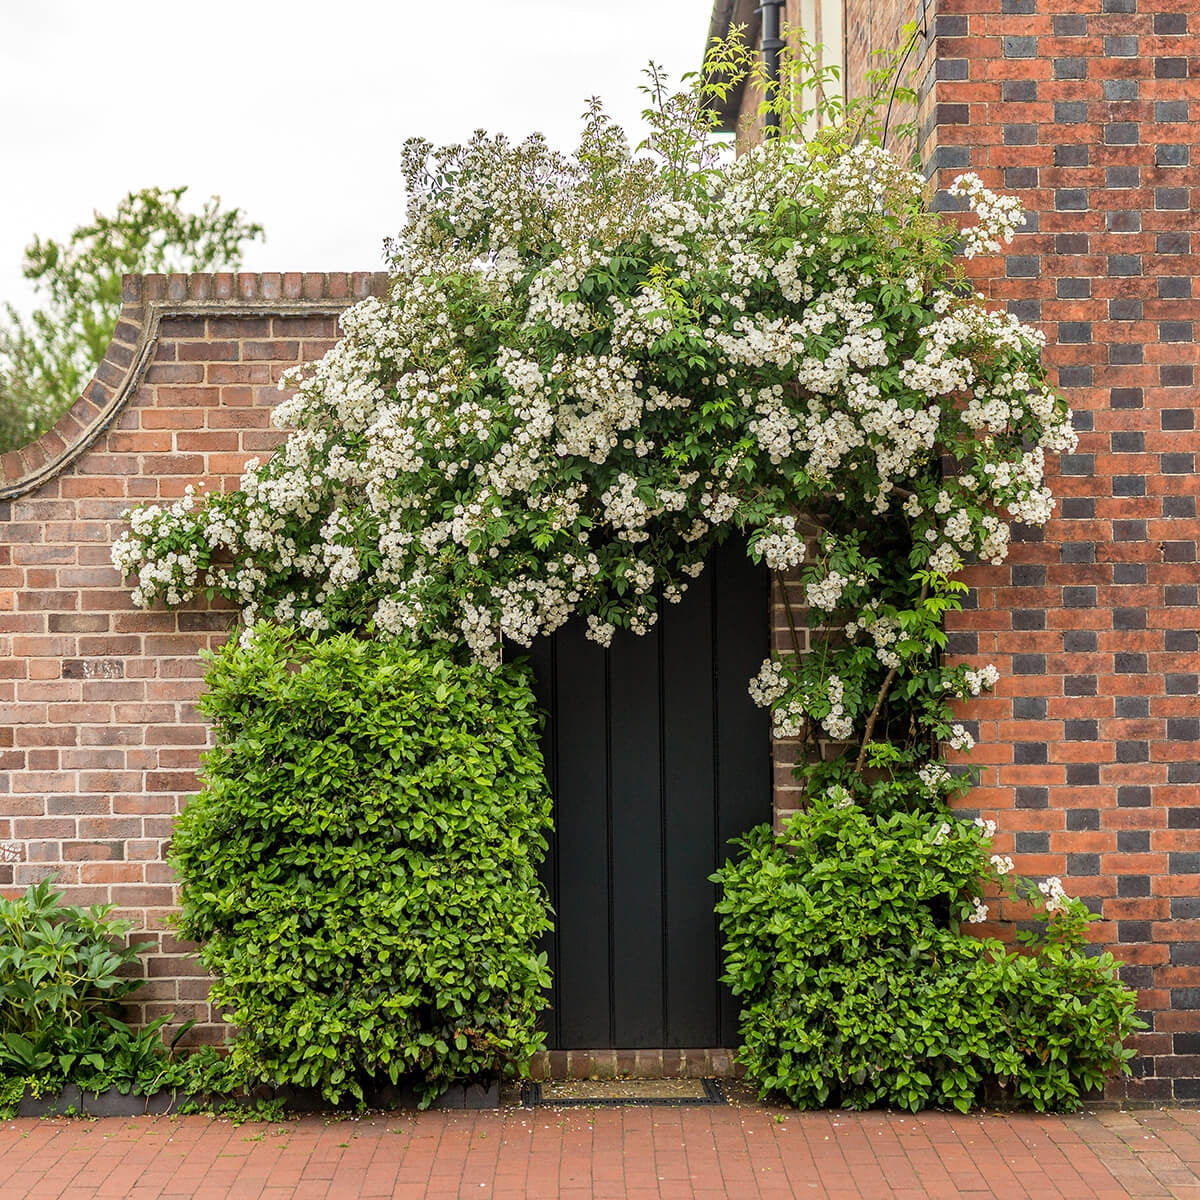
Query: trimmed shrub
{"points": [[857, 987], [360, 869]]}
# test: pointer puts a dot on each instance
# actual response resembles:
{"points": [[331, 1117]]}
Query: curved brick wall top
{"points": [[146, 300]]}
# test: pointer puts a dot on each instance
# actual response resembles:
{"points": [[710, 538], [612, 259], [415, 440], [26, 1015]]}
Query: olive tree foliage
{"points": [[47, 358], [594, 367]]}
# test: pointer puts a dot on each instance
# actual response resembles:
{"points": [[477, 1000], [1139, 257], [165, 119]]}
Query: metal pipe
{"points": [[772, 43]]}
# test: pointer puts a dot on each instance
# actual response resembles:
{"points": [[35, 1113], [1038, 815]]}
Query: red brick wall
{"points": [[1090, 751], [99, 737]]}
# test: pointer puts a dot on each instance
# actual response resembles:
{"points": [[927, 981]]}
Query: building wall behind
{"points": [[99, 735]]}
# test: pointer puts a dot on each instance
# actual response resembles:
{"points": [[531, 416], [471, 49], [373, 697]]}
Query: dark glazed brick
{"points": [[1077, 508], [1031, 843], [1022, 266], [1083, 775], [1120, 47], [1172, 243], [962, 643], [1070, 112], [1071, 243], [1124, 310], [1121, 133], [1029, 753], [1020, 177], [1020, 135], [1118, 353], [1019, 8], [1083, 730], [1131, 886], [1082, 421], [1028, 575], [1079, 641], [1174, 287], [1177, 464], [1080, 820], [1028, 618], [1118, 6], [1170, 68], [950, 25], [1129, 531], [1083, 864], [1032, 797], [1079, 597], [1029, 311], [1073, 288], [1129, 618], [1185, 998], [1129, 572], [1133, 841], [1021, 47], [1123, 220], [1133, 796], [1079, 552], [1070, 68], [1133, 752], [1170, 198], [1179, 552], [1177, 418], [953, 69], [1184, 641], [1071, 199], [1185, 908], [1128, 485], [1019, 91], [1185, 772], [1120, 89], [1118, 178], [1185, 863], [1071, 156], [1070, 25], [1175, 375], [1079, 685], [1180, 595], [1175, 331], [1168, 112], [1170, 24], [1029, 708], [1179, 506], [1124, 265], [1171, 156], [1129, 662], [1129, 932], [1029, 664], [1077, 464], [1183, 729], [1127, 442], [952, 114], [1184, 818], [1125, 397], [1184, 1043], [953, 156], [1182, 684], [1131, 708]]}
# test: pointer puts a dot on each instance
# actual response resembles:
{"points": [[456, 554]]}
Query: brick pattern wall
{"points": [[99, 737], [1090, 751]]}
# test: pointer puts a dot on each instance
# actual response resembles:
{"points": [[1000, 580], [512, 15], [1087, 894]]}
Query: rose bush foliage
{"points": [[593, 368]]}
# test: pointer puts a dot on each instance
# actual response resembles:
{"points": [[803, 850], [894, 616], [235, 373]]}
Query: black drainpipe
{"points": [[772, 43]]}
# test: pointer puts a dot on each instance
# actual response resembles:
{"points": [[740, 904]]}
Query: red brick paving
{"points": [[607, 1154]]}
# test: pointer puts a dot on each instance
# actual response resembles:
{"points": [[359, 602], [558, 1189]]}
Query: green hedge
{"points": [[360, 869], [858, 988]]}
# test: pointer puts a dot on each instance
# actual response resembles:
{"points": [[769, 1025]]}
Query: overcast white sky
{"points": [[296, 111]]}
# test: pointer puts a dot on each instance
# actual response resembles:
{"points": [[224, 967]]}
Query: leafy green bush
{"points": [[858, 988], [360, 868], [63, 972]]}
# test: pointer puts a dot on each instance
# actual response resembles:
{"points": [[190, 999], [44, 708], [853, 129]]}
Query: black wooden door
{"points": [[656, 757]]}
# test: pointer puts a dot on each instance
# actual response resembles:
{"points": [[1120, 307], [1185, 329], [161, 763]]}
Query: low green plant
{"points": [[858, 988], [360, 870], [64, 971]]}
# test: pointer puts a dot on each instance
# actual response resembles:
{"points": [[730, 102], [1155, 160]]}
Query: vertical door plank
{"points": [[637, 876], [689, 812], [582, 989]]}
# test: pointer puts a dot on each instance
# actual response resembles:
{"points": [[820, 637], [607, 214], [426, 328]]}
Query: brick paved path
{"points": [[606, 1153]]}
